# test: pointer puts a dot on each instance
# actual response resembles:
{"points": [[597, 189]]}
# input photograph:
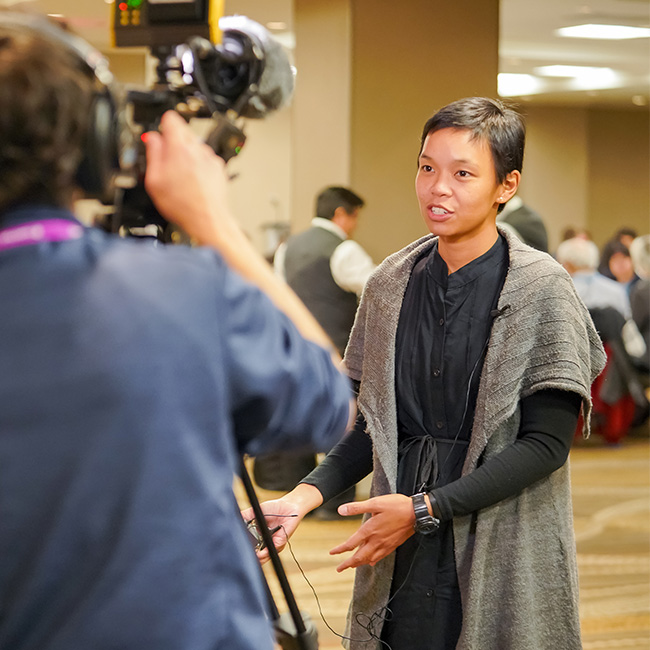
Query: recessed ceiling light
{"points": [[276, 25], [515, 85], [582, 77], [571, 71], [605, 32]]}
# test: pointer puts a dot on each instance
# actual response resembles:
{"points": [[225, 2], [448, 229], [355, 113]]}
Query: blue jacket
{"points": [[131, 379]]}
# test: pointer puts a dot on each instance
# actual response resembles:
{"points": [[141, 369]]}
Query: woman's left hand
{"points": [[390, 525]]}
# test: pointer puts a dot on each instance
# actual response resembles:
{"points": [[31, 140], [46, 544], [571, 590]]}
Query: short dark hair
{"points": [[626, 231], [337, 197], [489, 120], [45, 100]]}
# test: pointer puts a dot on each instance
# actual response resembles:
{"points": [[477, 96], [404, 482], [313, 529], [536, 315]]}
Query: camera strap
{"points": [[35, 232]]}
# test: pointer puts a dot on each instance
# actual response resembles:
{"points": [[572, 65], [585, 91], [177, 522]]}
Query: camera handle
{"points": [[294, 633]]}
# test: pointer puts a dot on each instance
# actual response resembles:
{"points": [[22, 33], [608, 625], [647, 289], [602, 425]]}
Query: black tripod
{"points": [[296, 631]]}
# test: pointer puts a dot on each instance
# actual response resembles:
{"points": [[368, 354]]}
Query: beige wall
{"points": [[409, 59], [260, 193], [587, 168], [370, 72], [556, 171], [321, 104], [619, 171], [128, 67]]}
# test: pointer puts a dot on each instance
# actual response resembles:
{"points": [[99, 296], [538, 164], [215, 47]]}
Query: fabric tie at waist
{"points": [[419, 462]]}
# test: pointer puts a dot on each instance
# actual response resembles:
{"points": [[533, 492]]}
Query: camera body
{"points": [[155, 23]]}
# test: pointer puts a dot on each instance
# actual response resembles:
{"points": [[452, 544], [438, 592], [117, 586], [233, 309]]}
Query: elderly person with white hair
{"points": [[580, 258]]}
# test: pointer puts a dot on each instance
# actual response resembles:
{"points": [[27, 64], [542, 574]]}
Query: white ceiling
{"points": [[527, 41]]}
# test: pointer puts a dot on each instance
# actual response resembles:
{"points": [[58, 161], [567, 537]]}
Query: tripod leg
{"points": [[302, 638]]}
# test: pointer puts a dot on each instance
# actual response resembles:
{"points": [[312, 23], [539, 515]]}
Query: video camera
{"points": [[209, 66]]}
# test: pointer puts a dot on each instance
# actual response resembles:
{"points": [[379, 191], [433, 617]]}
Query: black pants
{"points": [[425, 606]]}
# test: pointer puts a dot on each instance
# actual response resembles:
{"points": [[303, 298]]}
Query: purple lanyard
{"points": [[34, 232]]}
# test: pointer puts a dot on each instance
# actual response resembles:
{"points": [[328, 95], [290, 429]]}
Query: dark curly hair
{"points": [[45, 100]]}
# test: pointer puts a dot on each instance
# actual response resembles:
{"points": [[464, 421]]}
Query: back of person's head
{"points": [[640, 252], [578, 254], [571, 232], [625, 235], [337, 197], [45, 100], [488, 120]]}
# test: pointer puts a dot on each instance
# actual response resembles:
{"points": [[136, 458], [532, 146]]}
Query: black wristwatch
{"points": [[424, 522]]}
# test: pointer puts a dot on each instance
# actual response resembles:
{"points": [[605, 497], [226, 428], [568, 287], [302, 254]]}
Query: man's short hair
{"points": [[580, 253], [45, 100], [640, 252], [337, 197], [489, 120], [626, 231]]}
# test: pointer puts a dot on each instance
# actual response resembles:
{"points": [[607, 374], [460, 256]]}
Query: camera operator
{"points": [[131, 378]]}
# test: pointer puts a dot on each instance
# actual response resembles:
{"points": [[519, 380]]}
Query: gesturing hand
{"points": [[390, 525]]}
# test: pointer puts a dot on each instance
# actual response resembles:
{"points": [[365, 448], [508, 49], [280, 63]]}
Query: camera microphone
{"points": [[248, 72], [275, 85]]}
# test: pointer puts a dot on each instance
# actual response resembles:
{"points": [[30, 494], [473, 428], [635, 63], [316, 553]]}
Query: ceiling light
{"points": [[515, 85], [598, 79], [582, 77], [572, 71], [640, 100], [605, 32], [276, 25]]}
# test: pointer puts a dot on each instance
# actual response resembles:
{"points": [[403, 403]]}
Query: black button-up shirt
{"points": [[443, 331]]}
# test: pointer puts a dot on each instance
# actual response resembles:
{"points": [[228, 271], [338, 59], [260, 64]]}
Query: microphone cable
{"points": [[382, 614]]}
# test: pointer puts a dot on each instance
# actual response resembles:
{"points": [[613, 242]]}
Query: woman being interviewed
{"points": [[473, 357]]}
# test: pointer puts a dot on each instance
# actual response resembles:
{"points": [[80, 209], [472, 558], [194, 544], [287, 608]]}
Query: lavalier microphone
{"points": [[495, 313]]}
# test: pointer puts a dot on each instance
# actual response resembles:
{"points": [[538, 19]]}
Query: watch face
{"points": [[425, 526]]}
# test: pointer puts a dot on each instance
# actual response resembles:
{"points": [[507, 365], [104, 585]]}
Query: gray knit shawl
{"points": [[516, 560]]}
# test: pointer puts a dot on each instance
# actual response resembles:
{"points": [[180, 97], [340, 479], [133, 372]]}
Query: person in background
{"points": [[527, 224], [325, 267], [580, 258], [626, 236], [328, 270], [640, 293], [571, 232], [617, 264], [474, 356], [609, 306], [133, 379]]}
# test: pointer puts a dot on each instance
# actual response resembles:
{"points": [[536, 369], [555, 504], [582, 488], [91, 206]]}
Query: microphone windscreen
{"points": [[276, 83]]}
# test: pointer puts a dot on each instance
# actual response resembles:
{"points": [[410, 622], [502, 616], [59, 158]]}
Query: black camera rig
{"points": [[225, 68]]}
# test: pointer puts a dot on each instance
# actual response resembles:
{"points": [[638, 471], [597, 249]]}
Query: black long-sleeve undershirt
{"points": [[548, 424]]}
